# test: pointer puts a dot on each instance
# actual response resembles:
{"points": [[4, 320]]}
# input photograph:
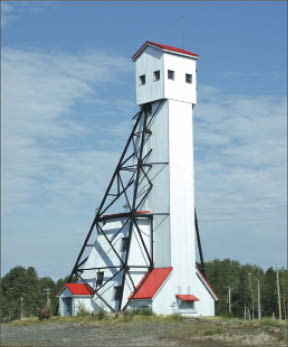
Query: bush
{"points": [[44, 313], [82, 310], [100, 314]]}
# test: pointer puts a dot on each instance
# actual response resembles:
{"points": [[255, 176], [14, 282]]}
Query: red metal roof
{"points": [[164, 47], [151, 283], [78, 289], [187, 297]]}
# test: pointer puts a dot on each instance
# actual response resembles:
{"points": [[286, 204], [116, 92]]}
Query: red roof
{"points": [[165, 48], [187, 297], [151, 282], [78, 289]]}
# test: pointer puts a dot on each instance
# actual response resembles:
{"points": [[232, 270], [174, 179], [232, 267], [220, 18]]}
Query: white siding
{"points": [[179, 89], [148, 62], [158, 199], [181, 187]]}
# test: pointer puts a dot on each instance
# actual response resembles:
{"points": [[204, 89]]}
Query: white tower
{"points": [[146, 257]]}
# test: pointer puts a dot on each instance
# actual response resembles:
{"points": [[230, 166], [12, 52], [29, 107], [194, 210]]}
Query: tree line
{"points": [[24, 293], [243, 283]]}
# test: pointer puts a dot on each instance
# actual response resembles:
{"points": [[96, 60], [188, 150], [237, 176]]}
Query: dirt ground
{"points": [[142, 331]]}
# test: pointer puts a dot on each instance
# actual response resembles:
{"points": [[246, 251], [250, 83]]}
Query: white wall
{"points": [[148, 62], [181, 187], [179, 89], [102, 255], [158, 199]]}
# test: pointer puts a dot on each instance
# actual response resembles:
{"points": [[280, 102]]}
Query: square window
{"points": [[100, 277], [188, 78], [156, 75], [171, 75], [124, 245], [117, 293], [142, 80]]}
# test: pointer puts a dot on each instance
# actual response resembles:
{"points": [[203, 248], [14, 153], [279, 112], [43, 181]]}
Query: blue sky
{"points": [[68, 96]]}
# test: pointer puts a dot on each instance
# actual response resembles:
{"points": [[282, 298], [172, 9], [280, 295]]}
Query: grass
{"points": [[186, 329], [221, 330]]}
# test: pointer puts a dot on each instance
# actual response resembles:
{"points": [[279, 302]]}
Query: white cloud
{"points": [[10, 10], [40, 92], [240, 175]]}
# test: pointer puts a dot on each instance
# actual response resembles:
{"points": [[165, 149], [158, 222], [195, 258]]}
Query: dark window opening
{"points": [[142, 80], [124, 246], [100, 277], [171, 75], [188, 78], [187, 305], [117, 293], [156, 75]]}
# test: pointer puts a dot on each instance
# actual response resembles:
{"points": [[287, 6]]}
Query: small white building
{"points": [[73, 297], [147, 257]]}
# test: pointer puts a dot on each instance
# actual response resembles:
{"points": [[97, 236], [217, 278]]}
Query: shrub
{"points": [[100, 314], [82, 310]]}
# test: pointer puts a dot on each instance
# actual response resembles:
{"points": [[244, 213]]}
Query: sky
{"points": [[68, 97]]}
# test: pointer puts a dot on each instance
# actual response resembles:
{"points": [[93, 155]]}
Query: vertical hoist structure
{"points": [[140, 251]]}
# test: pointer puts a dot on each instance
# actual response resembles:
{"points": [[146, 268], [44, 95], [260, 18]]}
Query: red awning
{"points": [[187, 297], [151, 283]]}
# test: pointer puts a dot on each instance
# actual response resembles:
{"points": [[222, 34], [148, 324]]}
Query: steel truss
{"points": [[130, 184], [130, 174]]}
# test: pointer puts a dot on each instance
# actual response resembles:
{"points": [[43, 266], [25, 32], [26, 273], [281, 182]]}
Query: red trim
{"points": [[165, 47], [209, 285], [78, 289], [151, 283], [187, 297]]}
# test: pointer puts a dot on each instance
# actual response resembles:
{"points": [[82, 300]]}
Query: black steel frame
{"points": [[138, 169], [201, 265]]}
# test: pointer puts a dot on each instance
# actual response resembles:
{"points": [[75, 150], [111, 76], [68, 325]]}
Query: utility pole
{"points": [[21, 308], [48, 299], [284, 302], [182, 32], [279, 294], [259, 300], [229, 300], [252, 297]]}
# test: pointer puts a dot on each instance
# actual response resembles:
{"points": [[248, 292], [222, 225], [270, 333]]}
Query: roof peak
{"points": [[164, 48]]}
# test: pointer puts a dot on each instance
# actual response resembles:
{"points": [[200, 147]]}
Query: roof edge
{"points": [[204, 280], [164, 48]]}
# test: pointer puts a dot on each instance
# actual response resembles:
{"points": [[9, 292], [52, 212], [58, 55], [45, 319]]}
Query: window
{"points": [[188, 78], [156, 75], [186, 305], [171, 75], [100, 277], [124, 245], [117, 293], [142, 80]]}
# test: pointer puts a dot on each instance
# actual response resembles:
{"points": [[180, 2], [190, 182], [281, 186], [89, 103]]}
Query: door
{"points": [[67, 306]]}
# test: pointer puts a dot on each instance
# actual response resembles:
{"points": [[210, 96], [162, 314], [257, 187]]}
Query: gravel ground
{"points": [[134, 333]]}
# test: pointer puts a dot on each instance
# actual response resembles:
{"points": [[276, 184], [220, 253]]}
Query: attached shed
{"points": [[73, 296]]}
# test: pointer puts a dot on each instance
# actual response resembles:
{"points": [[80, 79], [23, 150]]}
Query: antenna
{"points": [[182, 22]]}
